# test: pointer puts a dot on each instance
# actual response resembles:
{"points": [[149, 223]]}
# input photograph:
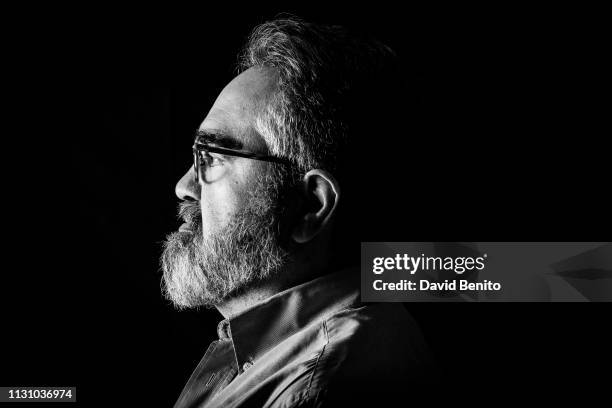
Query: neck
{"points": [[248, 299], [301, 270]]}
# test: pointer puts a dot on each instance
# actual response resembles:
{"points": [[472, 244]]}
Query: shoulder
{"points": [[378, 339], [370, 351]]}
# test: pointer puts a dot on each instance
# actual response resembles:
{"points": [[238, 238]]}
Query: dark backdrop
{"points": [[503, 142]]}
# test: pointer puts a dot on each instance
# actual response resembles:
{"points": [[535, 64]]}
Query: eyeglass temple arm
{"points": [[240, 153]]}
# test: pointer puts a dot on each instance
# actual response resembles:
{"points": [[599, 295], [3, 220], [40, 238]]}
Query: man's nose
{"points": [[187, 188]]}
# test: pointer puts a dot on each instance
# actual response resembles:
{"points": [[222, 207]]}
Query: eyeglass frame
{"points": [[200, 146]]}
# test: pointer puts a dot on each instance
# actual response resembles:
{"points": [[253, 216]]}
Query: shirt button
{"points": [[246, 366]]}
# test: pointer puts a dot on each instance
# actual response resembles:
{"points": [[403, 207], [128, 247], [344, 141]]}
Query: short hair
{"points": [[325, 76]]}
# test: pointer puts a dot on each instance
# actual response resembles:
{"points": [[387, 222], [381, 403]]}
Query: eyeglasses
{"points": [[203, 162]]}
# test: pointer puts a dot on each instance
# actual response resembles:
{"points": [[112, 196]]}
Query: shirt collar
{"points": [[263, 326]]}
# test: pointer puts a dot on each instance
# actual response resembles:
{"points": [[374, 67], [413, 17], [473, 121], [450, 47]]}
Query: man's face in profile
{"points": [[230, 236]]}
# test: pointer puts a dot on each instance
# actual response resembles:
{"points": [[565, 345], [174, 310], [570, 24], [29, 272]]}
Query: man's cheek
{"points": [[218, 206], [212, 220]]}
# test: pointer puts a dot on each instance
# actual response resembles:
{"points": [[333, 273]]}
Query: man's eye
{"points": [[215, 160]]}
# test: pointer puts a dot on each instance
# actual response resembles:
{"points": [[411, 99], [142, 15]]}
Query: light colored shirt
{"points": [[312, 345]]}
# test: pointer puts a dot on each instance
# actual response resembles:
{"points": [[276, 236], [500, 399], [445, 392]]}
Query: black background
{"points": [[101, 107]]}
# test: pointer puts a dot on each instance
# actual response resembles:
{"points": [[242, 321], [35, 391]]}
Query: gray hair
{"points": [[323, 71]]}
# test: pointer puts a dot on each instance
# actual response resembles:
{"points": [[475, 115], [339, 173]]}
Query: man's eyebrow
{"points": [[218, 138]]}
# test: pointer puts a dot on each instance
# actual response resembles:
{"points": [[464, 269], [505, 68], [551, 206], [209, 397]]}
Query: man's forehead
{"points": [[233, 113]]}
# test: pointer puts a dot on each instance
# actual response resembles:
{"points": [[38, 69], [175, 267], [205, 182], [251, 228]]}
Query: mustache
{"points": [[190, 212]]}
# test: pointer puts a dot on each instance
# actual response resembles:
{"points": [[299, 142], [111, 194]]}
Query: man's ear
{"points": [[321, 193]]}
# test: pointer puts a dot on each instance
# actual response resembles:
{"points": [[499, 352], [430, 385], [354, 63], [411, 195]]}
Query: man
{"points": [[267, 239]]}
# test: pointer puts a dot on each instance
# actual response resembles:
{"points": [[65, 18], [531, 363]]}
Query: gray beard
{"points": [[205, 272]]}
